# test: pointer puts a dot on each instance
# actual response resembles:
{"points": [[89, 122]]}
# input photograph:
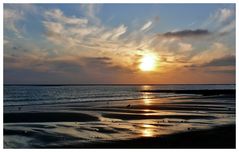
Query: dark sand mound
{"points": [[47, 117]]}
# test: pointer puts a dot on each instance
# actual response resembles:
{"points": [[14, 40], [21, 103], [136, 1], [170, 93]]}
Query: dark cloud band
{"points": [[187, 33]]}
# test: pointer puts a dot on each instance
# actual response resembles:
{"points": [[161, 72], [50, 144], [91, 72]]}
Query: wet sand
{"points": [[47, 117], [185, 121], [137, 116], [217, 137]]}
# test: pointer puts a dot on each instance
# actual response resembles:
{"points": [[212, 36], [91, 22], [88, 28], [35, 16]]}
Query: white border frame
{"points": [[115, 1]]}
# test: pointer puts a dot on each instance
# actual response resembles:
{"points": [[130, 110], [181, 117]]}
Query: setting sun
{"points": [[148, 62]]}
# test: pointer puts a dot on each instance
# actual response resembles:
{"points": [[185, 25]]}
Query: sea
{"points": [[54, 94], [56, 116]]}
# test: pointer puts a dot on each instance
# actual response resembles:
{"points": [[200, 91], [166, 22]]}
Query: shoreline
{"points": [[204, 92]]}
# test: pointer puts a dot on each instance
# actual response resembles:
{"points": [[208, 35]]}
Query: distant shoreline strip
{"points": [[201, 92]]}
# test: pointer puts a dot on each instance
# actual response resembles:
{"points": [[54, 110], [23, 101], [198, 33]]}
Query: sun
{"points": [[148, 62]]}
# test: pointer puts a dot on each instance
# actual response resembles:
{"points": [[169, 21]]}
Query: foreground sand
{"points": [[180, 121], [218, 137]]}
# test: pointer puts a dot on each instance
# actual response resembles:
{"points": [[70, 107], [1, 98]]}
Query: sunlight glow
{"points": [[148, 62], [147, 101], [146, 98], [147, 131]]}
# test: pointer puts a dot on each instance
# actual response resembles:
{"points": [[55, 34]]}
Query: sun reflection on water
{"points": [[147, 133], [147, 130], [146, 87], [147, 101]]}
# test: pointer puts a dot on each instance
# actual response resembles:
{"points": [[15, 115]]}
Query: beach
{"points": [[217, 137], [187, 119]]}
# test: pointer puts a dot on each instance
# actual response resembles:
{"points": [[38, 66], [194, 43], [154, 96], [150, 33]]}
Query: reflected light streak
{"points": [[146, 87], [146, 99], [147, 131]]}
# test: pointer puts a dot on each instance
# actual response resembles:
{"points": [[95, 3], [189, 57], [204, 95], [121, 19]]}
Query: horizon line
{"points": [[115, 84]]}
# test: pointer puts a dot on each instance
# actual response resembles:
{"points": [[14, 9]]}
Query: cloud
{"points": [[222, 15], [16, 13], [38, 61], [217, 59], [215, 51], [226, 71], [118, 32], [54, 26], [224, 61], [67, 69], [222, 21], [59, 28], [85, 49], [58, 16], [225, 64], [146, 26], [75, 34], [101, 64], [219, 17], [187, 33], [93, 61], [11, 18], [64, 66], [228, 28], [90, 11], [185, 47]]}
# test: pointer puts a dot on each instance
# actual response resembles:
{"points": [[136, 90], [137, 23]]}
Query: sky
{"points": [[110, 43]]}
